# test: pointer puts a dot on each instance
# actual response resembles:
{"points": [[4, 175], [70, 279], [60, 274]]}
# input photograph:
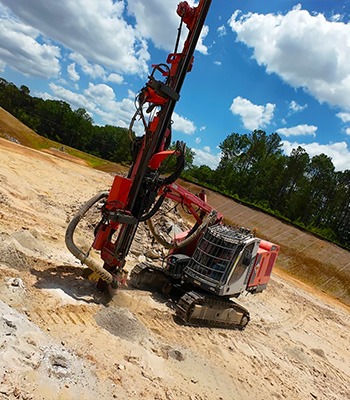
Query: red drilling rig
{"points": [[209, 264]]}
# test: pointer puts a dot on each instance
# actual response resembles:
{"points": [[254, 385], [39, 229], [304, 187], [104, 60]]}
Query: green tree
{"points": [[111, 143], [293, 177], [314, 196], [338, 212], [203, 174], [250, 164]]}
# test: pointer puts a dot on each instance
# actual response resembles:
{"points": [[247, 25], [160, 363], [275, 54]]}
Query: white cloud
{"points": [[217, 62], [201, 47], [156, 20], [206, 149], [299, 130], [295, 107], [91, 70], [96, 30], [202, 128], [203, 157], [76, 100], [20, 48], [339, 152], [336, 17], [182, 124], [222, 30], [347, 131], [115, 78], [72, 72], [101, 94], [345, 117], [305, 50], [198, 140], [100, 100], [97, 100], [253, 116]]}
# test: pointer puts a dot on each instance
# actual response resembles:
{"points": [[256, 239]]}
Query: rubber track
{"points": [[190, 299], [136, 273]]}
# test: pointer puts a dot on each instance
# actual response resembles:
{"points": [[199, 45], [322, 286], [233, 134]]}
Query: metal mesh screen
{"points": [[215, 252]]}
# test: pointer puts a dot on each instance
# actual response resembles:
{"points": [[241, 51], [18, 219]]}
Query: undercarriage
{"points": [[192, 307]]}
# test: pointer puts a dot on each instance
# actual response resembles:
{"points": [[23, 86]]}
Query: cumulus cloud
{"points": [[97, 100], [345, 117], [20, 48], [299, 130], [253, 116], [182, 124], [100, 100], [201, 47], [305, 50], [115, 78], [77, 100], [339, 152], [203, 157], [347, 131], [90, 70], [72, 72], [158, 21], [222, 30], [294, 107], [336, 17], [96, 30], [101, 94]]}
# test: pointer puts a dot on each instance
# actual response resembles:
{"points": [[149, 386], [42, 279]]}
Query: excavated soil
{"points": [[62, 339]]}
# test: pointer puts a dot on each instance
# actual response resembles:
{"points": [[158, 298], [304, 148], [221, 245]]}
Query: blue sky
{"points": [[280, 66]]}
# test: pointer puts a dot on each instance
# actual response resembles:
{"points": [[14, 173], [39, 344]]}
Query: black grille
{"points": [[216, 252]]}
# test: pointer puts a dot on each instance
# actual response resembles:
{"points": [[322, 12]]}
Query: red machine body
{"points": [[264, 263]]}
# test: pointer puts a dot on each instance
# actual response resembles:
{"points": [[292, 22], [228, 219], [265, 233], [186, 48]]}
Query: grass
{"points": [[12, 129], [323, 276]]}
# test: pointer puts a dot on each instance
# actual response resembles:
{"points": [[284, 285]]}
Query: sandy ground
{"points": [[61, 339]]}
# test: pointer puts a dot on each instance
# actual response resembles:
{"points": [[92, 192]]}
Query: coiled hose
{"points": [[78, 253]]}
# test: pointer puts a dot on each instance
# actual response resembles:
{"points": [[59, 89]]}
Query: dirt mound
{"points": [[121, 322]]}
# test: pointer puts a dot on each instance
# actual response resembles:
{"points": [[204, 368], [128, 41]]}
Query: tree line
{"points": [[56, 120], [305, 191]]}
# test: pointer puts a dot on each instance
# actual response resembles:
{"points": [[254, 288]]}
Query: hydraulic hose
{"points": [[154, 209], [78, 253], [211, 217]]}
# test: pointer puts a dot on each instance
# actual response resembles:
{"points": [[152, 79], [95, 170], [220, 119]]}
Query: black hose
{"points": [[78, 253], [154, 209]]}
